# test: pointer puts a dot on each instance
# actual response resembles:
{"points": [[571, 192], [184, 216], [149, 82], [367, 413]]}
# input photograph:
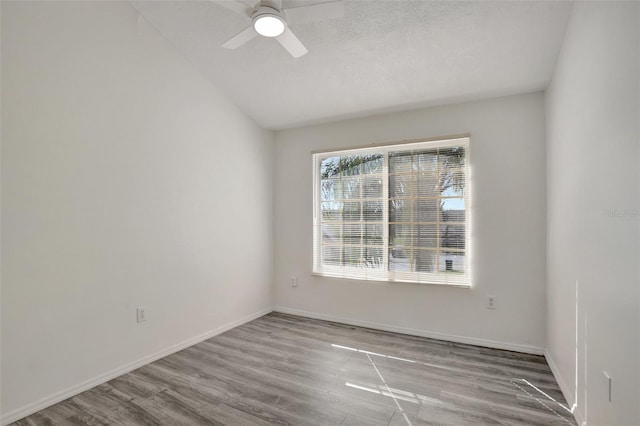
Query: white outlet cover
{"points": [[491, 302], [141, 314]]}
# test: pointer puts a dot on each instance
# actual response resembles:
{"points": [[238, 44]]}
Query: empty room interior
{"points": [[312, 212]]}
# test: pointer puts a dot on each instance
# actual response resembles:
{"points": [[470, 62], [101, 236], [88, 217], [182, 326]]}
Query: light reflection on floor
{"points": [[383, 389], [541, 401], [384, 382]]}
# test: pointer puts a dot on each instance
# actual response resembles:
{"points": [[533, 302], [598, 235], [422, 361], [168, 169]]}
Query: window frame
{"points": [[384, 274]]}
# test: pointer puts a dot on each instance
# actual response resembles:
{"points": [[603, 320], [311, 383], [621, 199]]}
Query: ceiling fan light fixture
{"points": [[269, 19], [268, 25]]}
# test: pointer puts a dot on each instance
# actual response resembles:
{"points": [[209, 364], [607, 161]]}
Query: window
{"points": [[393, 213]]}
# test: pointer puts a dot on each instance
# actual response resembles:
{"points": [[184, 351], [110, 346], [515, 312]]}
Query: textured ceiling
{"points": [[384, 55]]}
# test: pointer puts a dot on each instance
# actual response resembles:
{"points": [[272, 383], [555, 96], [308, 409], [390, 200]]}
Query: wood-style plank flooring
{"points": [[288, 370]]}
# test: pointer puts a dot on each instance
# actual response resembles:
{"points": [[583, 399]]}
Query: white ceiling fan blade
{"points": [[276, 4], [235, 6], [241, 38], [316, 12], [290, 42]]}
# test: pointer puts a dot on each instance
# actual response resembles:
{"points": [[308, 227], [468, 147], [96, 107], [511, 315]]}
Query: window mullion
{"points": [[343, 202], [362, 221], [385, 211], [413, 227], [438, 201]]}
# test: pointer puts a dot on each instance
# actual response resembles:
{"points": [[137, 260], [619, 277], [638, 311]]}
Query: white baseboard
{"points": [[28, 409], [415, 332], [569, 394]]}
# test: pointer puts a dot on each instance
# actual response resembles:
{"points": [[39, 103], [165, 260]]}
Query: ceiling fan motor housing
{"points": [[268, 13]]}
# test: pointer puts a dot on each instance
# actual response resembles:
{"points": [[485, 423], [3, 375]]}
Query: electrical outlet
{"points": [[294, 281], [141, 313], [491, 302]]}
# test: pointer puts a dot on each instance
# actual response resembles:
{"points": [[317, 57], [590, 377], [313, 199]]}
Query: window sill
{"points": [[389, 281]]}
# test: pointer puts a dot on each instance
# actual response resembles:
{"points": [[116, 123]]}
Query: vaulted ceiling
{"points": [[382, 56]]}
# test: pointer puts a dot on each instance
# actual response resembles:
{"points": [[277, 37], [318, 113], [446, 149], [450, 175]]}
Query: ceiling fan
{"points": [[269, 19]]}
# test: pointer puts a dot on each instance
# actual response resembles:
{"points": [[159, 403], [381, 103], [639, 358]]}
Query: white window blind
{"points": [[394, 213]]}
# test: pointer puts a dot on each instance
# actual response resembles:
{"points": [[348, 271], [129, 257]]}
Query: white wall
{"points": [[593, 211], [127, 180], [509, 197]]}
